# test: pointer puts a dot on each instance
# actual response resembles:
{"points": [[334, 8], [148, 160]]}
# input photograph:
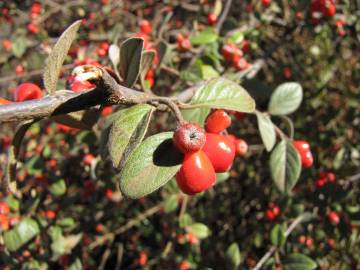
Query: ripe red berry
{"points": [[334, 217], [143, 258], [269, 215], [7, 44], [189, 137], [217, 121], [50, 214], [4, 208], [145, 26], [278, 268], [33, 28], [196, 174], [4, 101], [304, 151], [265, 3], [183, 43], [88, 159], [27, 91], [330, 10], [220, 150], [184, 265], [212, 18], [78, 86], [241, 147]]}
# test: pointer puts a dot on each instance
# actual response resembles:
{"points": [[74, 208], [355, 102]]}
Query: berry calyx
{"points": [[217, 121], [27, 91], [304, 151], [220, 150], [196, 173], [189, 137]]}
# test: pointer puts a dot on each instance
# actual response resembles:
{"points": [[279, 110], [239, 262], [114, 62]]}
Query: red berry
{"points": [[334, 217], [302, 239], [88, 159], [287, 73], [265, 3], [220, 150], [269, 215], [278, 268], [184, 265], [145, 26], [19, 69], [183, 44], [50, 214], [241, 147], [189, 137], [196, 174], [106, 111], [7, 44], [217, 121], [304, 151], [4, 222], [143, 258], [4, 101], [320, 182], [78, 86], [212, 18], [330, 10], [99, 228], [27, 91], [33, 28], [4, 208]]}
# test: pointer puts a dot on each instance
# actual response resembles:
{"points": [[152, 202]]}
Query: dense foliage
{"points": [[298, 60]]}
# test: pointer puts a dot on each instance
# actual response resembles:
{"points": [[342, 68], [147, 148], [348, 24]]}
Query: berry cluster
{"points": [[207, 152], [304, 151], [145, 34], [272, 212], [35, 11], [7, 219], [234, 55], [324, 178], [183, 42], [319, 8]]}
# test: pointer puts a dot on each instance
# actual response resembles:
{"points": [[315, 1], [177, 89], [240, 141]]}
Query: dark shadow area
{"points": [[166, 155]]}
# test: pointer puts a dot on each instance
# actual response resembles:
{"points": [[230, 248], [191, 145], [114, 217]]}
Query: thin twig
{"points": [[223, 15], [271, 251]]}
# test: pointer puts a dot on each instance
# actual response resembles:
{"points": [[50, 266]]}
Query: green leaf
{"points": [[221, 177], [58, 188], [147, 60], [233, 256], [66, 222], [127, 131], [200, 230], [130, 60], [285, 166], [286, 98], [57, 56], [277, 235], [208, 72], [63, 245], [225, 94], [151, 165], [196, 115], [76, 265], [13, 203], [21, 234], [171, 203], [206, 36], [164, 51], [19, 46], [267, 130], [298, 262]]}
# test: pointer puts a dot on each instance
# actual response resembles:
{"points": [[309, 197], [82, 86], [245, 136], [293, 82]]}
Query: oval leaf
{"points": [[200, 230], [233, 256], [286, 98], [285, 166], [127, 131], [225, 94], [206, 36], [299, 262], [57, 56], [147, 60], [150, 166], [267, 130], [130, 60], [277, 235], [21, 234]]}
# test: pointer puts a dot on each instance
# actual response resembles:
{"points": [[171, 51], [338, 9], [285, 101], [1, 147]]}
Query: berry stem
{"points": [[172, 106]]}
